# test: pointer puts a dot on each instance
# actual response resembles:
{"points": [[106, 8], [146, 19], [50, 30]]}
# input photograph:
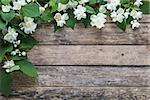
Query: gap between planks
{"points": [[83, 93]]}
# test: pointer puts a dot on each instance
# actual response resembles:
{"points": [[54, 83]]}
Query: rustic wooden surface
{"points": [[88, 64], [108, 35]]}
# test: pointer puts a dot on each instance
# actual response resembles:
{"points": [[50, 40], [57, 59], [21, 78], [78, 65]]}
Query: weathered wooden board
{"points": [[86, 76], [108, 35], [90, 55], [80, 93]]}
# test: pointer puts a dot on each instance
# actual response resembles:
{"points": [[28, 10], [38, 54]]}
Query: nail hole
{"points": [[122, 54]]}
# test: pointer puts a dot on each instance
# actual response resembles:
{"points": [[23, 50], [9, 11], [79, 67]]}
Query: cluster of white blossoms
{"points": [[138, 3], [17, 51], [71, 4], [17, 4], [118, 15], [136, 15], [28, 26], [79, 11], [10, 66]]}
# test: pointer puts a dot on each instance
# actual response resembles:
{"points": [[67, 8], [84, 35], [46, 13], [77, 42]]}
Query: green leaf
{"points": [[30, 10], [122, 25], [27, 68], [2, 25], [92, 1], [54, 5], [63, 1], [56, 28], [90, 10], [4, 50], [102, 2], [8, 16], [28, 42], [129, 19], [47, 15], [14, 68], [145, 8], [5, 83], [71, 22], [124, 1], [86, 21], [17, 58], [5, 2]]}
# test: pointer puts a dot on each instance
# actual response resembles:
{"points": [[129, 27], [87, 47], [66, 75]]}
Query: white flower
{"points": [[120, 11], [127, 13], [72, 4], [17, 4], [30, 1], [6, 8], [138, 2], [62, 7], [24, 53], [11, 36], [17, 51], [80, 12], [41, 9], [135, 14], [28, 25], [112, 4], [16, 43], [83, 1], [61, 19], [118, 16], [98, 20], [13, 53], [102, 9], [135, 24], [9, 64], [46, 5]]}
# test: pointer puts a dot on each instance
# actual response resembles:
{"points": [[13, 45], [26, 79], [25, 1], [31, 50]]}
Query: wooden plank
{"points": [[90, 55], [108, 35], [80, 93], [86, 76], [80, 35]]}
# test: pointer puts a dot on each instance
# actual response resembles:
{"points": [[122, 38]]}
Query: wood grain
{"points": [[86, 76], [108, 35], [80, 93], [90, 55]]}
